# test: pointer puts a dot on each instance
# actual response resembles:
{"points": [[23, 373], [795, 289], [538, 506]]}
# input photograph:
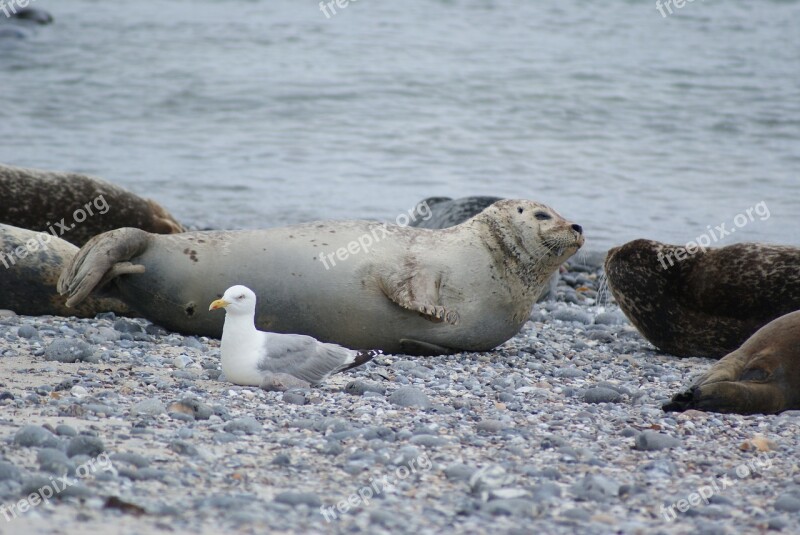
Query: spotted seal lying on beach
{"points": [[707, 303], [360, 284], [30, 264], [75, 207], [762, 376]]}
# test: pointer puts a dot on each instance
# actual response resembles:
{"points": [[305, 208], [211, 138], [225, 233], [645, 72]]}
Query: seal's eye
{"points": [[543, 216], [520, 210]]}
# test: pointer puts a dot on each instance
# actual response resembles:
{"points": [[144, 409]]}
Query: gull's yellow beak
{"points": [[219, 303]]}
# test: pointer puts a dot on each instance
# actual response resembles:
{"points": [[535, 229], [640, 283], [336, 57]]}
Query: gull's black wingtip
{"points": [[362, 357]]}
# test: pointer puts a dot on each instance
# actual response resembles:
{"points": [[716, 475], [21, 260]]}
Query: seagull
{"points": [[250, 356]]}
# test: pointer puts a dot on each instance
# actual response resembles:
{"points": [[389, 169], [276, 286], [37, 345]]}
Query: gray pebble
{"points": [[488, 478], [383, 433], [281, 459], [181, 416], [511, 507], [181, 447], [580, 515], [192, 342], [199, 410], [99, 408], [299, 498], [596, 487], [410, 397], [610, 318], [35, 436], [570, 373], [600, 336], [247, 424], [294, 398], [601, 395], [459, 472], [359, 388], [428, 441], [653, 440], [139, 461], [572, 314], [124, 325], [85, 445], [54, 461], [70, 350], [9, 472], [787, 503], [490, 426], [181, 361], [148, 407], [546, 492], [384, 518], [28, 331], [36, 484], [777, 523]]}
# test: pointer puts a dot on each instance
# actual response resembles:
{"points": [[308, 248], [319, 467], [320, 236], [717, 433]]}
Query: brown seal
{"points": [[360, 284], [762, 376], [30, 264], [75, 207], [704, 304]]}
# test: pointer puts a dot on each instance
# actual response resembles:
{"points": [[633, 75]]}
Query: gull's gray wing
{"points": [[307, 358]]}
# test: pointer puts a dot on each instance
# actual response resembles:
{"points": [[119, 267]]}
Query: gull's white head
{"points": [[238, 300]]}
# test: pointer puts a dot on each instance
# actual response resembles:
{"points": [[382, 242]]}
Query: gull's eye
{"points": [[240, 297], [543, 216]]}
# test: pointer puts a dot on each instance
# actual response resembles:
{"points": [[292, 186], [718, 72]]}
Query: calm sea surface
{"points": [[253, 113]]}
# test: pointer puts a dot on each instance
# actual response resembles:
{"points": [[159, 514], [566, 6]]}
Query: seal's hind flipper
{"points": [[422, 349], [103, 258]]}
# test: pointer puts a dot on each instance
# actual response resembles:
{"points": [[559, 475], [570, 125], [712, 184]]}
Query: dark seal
{"points": [[30, 264], [446, 212], [762, 376], [75, 207], [703, 303], [32, 14]]}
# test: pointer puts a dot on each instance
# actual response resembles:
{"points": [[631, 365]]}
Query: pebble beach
{"points": [[560, 430]]}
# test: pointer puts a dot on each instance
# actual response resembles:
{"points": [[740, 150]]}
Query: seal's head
{"points": [[642, 270], [531, 232]]}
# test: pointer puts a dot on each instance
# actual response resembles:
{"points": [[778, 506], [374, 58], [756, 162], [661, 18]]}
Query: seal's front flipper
{"points": [[103, 258], [423, 349], [418, 292]]}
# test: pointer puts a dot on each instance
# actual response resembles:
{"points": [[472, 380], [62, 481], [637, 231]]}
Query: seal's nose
{"points": [[577, 228]]}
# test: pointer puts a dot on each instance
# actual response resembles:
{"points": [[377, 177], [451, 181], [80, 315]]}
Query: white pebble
{"points": [[79, 392]]}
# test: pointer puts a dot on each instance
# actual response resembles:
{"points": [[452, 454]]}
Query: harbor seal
{"points": [[75, 207], [707, 303], [360, 284], [32, 14], [30, 264], [762, 376]]}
